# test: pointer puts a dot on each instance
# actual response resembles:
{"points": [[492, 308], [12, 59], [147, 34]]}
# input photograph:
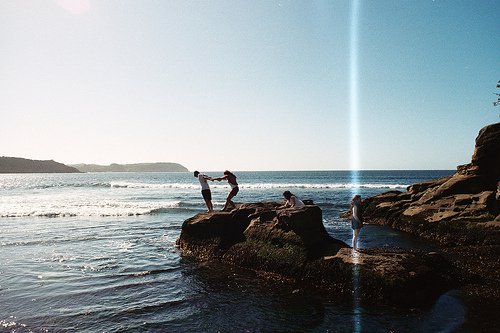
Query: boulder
{"points": [[486, 156], [399, 276], [294, 244]]}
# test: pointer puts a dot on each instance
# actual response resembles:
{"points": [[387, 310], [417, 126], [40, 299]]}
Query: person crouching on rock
{"points": [[205, 189], [356, 220], [291, 201], [231, 179]]}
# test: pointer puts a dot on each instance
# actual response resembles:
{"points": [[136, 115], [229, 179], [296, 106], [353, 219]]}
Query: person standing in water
{"points": [[205, 189], [231, 179], [356, 220]]}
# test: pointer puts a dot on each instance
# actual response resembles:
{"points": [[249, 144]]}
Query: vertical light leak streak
{"points": [[356, 306], [353, 97], [354, 152]]}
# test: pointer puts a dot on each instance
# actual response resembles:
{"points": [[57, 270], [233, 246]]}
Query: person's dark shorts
{"points": [[355, 224], [234, 191], [207, 195]]}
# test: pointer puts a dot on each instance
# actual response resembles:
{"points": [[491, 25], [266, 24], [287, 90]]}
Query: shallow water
{"points": [[81, 257]]}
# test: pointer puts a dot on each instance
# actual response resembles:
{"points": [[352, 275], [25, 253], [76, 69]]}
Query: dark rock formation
{"points": [[452, 210], [22, 165], [293, 243], [486, 157], [138, 167], [461, 212]]}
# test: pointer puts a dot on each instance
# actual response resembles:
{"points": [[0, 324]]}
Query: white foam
{"points": [[84, 207], [186, 186], [257, 185], [194, 185], [323, 186]]}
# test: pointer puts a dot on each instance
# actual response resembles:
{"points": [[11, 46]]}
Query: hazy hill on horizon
{"points": [[135, 167], [23, 165]]}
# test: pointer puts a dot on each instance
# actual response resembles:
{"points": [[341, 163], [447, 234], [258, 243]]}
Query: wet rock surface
{"points": [[293, 244]]}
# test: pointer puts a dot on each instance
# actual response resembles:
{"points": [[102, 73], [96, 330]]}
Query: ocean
{"points": [[96, 252]]}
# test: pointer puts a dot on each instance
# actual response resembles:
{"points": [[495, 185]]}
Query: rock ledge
{"points": [[461, 212], [294, 244]]}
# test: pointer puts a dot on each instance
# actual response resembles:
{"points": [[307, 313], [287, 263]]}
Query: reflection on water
{"points": [[236, 300], [356, 311]]}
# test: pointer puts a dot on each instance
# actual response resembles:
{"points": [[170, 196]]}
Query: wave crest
{"points": [[109, 209], [196, 186], [258, 185]]}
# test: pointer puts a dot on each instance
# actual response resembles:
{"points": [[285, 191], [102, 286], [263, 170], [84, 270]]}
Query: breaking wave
{"points": [[193, 186], [324, 186], [196, 186], [98, 209], [259, 185]]}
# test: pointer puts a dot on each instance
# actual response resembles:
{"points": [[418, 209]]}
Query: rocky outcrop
{"points": [[293, 244], [486, 157], [22, 165], [455, 210], [461, 212]]}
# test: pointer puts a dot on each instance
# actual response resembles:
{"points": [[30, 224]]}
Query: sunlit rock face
{"points": [[461, 209], [292, 244]]}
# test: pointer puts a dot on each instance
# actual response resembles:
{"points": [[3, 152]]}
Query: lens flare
{"points": [[354, 150], [353, 96]]}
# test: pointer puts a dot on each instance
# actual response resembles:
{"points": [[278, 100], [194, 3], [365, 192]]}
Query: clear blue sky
{"points": [[247, 85]]}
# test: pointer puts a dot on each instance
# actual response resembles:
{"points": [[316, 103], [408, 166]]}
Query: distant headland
{"points": [[137, 167], [22, 165]]}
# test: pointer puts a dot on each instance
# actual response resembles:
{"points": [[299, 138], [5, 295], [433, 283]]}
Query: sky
{"points": [[248, 85]]}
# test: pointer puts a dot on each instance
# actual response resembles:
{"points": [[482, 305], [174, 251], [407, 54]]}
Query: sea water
{"points": [[96, 252]]}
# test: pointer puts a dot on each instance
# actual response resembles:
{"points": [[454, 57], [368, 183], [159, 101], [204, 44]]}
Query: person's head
{"points": [[287, 195], [229, 173], [356, 198], [196, 173]]}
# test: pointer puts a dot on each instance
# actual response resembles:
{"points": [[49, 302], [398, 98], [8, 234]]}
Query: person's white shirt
{"points": [[203, 181], [295, 202]]}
